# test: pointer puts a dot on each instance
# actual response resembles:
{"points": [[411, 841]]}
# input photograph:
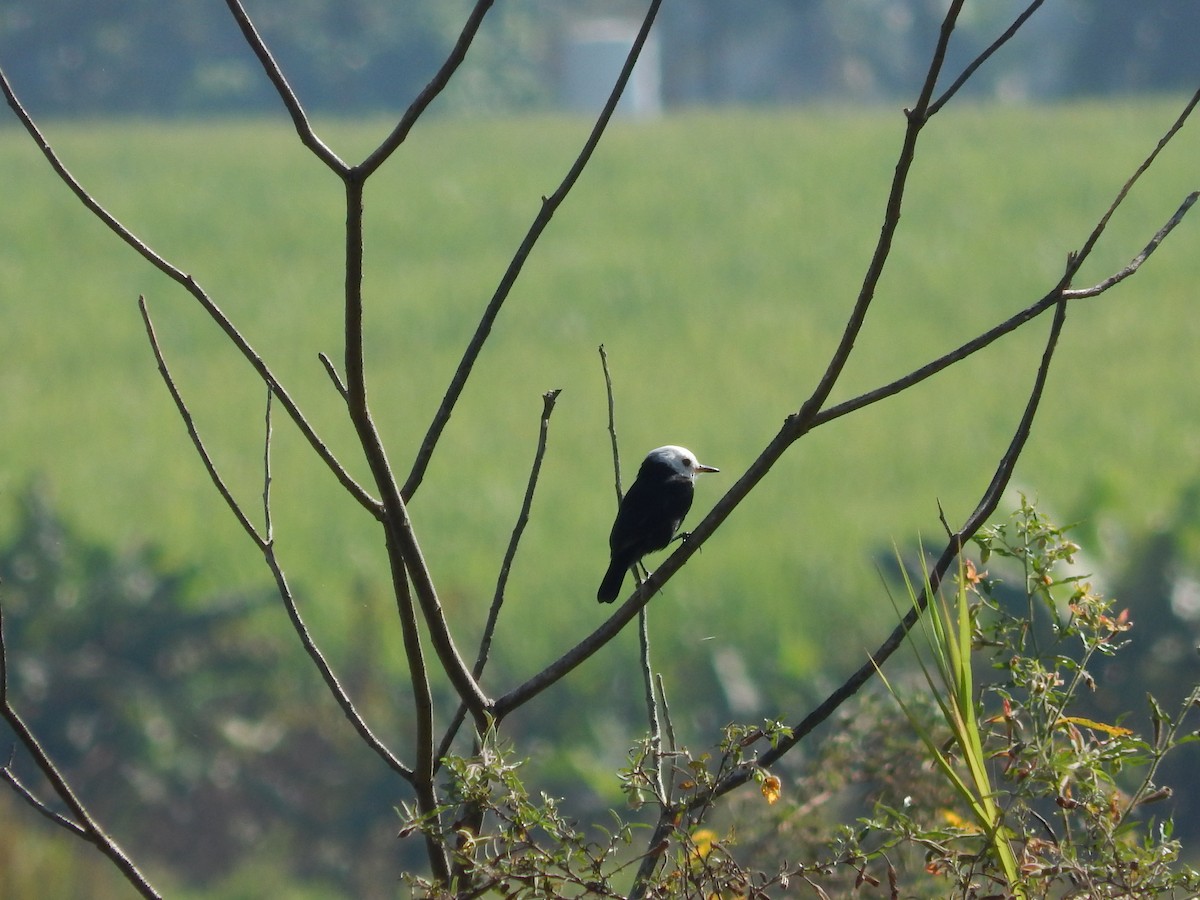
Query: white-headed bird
{"points": [[651, 512]]}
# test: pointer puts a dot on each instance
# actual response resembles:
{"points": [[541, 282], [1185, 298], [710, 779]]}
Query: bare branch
{"points": [[331, 371], [41, 808], [1136, 263], [308, 137], [1086, 250], [917, 117], [983, 511], [549, 206], [185, 414], [327, 675], [612, 425], [655, 726], [84, 826], [192, 287], [985, 56], [436, 85], [268, 528], [548, 401]]}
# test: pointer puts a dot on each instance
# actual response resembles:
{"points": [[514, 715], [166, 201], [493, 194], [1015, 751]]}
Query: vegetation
{"points": [[466, 808]]}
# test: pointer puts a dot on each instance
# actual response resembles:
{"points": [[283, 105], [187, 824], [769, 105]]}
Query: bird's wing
{"points": [[650, 514]]}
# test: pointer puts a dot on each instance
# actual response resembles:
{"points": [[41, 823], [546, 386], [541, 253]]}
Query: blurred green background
{"points": [[716, 257]]}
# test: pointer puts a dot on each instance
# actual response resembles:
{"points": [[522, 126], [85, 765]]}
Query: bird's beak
{"points": [[703, 468]]}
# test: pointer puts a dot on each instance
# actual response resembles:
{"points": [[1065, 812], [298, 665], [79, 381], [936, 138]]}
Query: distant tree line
{"points": [[183, 57]]}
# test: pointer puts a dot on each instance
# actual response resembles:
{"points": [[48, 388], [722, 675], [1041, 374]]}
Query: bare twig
{"points": [[41, 808], [982, 512], [1086, 250], [612, 424], [548, 401], [984, 56], [188, 283], [435, 86], [190, 423], [304, 129], [655, 726], [84, 826], [331, 371], [643, 617], [268, 528], [549, 206]]}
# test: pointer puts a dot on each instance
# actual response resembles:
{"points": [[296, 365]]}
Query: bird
{"points": [[651, 512]]}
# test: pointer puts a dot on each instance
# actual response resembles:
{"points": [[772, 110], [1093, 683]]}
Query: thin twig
{"points": [[548, 401], [651, 701], [327, 674], [435, 86], [190, 423], [331, 371], [84, 827], [1182, 118], [549, 206], [612, 424], [304, 129], [1059, 292], [1136, 263], [188, 283], [41, 808], [984, 57], [983, 511], [268, 527]]}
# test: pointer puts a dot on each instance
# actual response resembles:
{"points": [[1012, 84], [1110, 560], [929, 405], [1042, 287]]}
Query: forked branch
{"points": [[83, 826]]}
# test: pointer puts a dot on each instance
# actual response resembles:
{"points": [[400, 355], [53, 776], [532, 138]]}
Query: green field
{"points": [[715, 255]]}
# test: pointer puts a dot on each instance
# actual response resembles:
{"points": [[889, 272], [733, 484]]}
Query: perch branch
{"points": [[983, 511], [549, 206]]}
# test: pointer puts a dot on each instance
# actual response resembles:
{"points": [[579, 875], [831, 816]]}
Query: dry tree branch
{"points": [[266, 545], [983, 511], [186, 415], [794, 427], [1136, 263], [436, 85], [84, 826], [304, 129], [548, 402], [811, 416], [1031, 312], [984, 57], [189, 283], [549, 206], [30, 798], [670, 817]]}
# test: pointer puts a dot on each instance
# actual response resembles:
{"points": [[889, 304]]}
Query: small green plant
{"points": [[1052, 803]]}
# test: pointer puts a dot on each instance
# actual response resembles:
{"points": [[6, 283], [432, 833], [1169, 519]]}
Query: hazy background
{"points": [[167, 57]]}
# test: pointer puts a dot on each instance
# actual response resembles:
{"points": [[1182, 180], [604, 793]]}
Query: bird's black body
{"points": [[650, 513]]}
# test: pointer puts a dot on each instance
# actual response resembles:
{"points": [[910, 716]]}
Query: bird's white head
{"points": [[680, 459]]}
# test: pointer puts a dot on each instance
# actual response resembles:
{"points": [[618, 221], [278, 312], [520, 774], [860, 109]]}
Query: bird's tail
{"points": [[613, 579]]}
